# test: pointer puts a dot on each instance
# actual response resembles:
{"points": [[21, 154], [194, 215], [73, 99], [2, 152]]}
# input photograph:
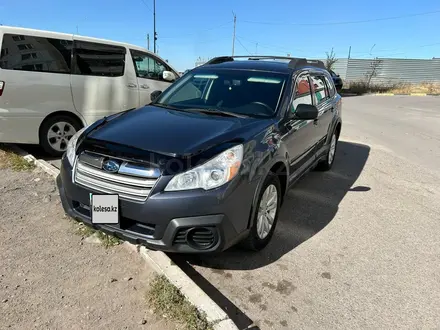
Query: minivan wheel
{"points": [[266, 215], [55, 133], [327, 163]]}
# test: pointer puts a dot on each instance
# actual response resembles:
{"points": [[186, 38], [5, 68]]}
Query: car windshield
{"points": [[240, 92]]}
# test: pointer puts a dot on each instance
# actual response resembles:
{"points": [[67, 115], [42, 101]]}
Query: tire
{"points": [[258, 239], [61, 129], [327, 163]]}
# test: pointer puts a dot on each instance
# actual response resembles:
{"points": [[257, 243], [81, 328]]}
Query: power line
{"points": [[146, 5], [269, 46], [196, 33], [238, 39], [345, 22], [395, 49]]}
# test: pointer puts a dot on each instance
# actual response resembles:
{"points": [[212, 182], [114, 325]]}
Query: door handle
{"points": [[131, 85], [145, 86]]}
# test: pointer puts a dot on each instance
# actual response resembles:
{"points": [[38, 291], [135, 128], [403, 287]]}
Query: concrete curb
{"points": [[162, 265], [45, 166]]}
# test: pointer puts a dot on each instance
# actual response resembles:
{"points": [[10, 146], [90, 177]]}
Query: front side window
{"points": [[37, 54], [302, 93], [95, 59], [147, 66], [247, 93], [320, 89]]}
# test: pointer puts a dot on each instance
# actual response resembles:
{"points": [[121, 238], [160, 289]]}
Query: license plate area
{"points": [[104, 209]]}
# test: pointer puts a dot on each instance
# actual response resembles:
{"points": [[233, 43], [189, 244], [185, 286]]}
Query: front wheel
{"points": [[266, 215]]}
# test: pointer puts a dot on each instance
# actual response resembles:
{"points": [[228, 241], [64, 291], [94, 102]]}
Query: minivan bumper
{"points": [[170, 222]]}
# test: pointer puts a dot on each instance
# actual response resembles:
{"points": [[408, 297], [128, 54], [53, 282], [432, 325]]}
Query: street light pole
{"points": [[154, 22], [233, 37]]}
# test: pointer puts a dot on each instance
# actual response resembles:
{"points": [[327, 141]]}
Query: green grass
{"points": [[166, 299], [9, 159], [106, 240]]}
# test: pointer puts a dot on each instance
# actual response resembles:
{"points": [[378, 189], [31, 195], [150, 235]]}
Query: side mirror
{"points": [[306, 112], [168, 76], [155, 95]]}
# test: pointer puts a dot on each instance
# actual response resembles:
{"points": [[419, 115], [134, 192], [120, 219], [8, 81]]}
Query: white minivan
{"points": [[52, 84]]}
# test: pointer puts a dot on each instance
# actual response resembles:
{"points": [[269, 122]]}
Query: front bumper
{"points": [[163, 220]]}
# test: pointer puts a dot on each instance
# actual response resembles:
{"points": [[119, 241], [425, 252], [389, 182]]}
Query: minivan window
{"points": [[147, 66], [31, 53], [95, 59], [247, 93]]}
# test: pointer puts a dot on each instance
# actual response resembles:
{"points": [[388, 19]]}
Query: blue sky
{"points": [[193, 28]]}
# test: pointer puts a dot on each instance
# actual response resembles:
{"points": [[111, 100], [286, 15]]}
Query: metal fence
{"points": [[385, 71], [388, 71]]}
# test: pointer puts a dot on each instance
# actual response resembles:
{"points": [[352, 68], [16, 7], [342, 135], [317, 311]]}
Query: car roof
{"points": [[278, 66]]}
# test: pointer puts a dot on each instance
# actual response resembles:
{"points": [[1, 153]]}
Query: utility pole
{"points": [[154, 20], [233, 37], [256, 49], [148, 41], [349, 52]]}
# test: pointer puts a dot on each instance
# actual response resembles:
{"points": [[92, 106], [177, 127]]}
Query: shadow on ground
{"points": [[308, 208], [36, 151]]}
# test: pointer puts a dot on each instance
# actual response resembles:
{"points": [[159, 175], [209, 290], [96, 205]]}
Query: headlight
{"points": [[214, 173], [71, 146]]}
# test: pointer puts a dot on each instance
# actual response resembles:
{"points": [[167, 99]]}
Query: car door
{"points": [[324, 104], [100, 83], [149, 71], [299, 135]]}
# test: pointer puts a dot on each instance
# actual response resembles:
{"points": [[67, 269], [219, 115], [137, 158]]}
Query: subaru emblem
{"points": [[110, 166]]}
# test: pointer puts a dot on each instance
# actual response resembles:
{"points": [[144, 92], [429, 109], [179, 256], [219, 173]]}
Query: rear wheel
{"points": [[55, 133], [266, 215], [327, 163]]}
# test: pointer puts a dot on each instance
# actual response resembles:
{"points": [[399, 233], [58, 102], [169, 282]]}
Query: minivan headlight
{"points": [[212, 174], [71, 146]]}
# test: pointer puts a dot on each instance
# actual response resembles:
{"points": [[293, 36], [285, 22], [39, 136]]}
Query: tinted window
{"points": [[94, 59], [330, 86], [320, 89], [147, 66], [29, 53], [241, 92], [302, 94]]}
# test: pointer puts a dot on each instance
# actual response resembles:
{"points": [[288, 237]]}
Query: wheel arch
{"points": [[281, 169], [71, 114]]}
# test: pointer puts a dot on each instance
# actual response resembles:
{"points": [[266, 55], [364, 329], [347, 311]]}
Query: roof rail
{"points": [[294, 63]]}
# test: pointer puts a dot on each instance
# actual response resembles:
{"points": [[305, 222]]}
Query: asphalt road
{"points": [[355, 248]]}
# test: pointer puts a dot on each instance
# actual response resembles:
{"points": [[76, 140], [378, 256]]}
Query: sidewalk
{"points": [[52, 278]]}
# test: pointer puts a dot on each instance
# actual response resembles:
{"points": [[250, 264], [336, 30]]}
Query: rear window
{"points": [[31, 53], [95, 59]]}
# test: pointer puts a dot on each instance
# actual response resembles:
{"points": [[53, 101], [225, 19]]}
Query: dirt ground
{"points": [[50, 278]]}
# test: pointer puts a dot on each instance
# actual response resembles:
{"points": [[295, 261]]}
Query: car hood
{"points": [[171, 132]]}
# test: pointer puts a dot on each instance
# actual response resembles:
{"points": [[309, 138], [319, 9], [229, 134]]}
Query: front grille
{"points": [[200, 238], [131, 187]]}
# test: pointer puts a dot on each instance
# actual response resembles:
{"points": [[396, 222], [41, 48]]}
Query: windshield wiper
{"points": [[213, 111], [160, 105]]}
